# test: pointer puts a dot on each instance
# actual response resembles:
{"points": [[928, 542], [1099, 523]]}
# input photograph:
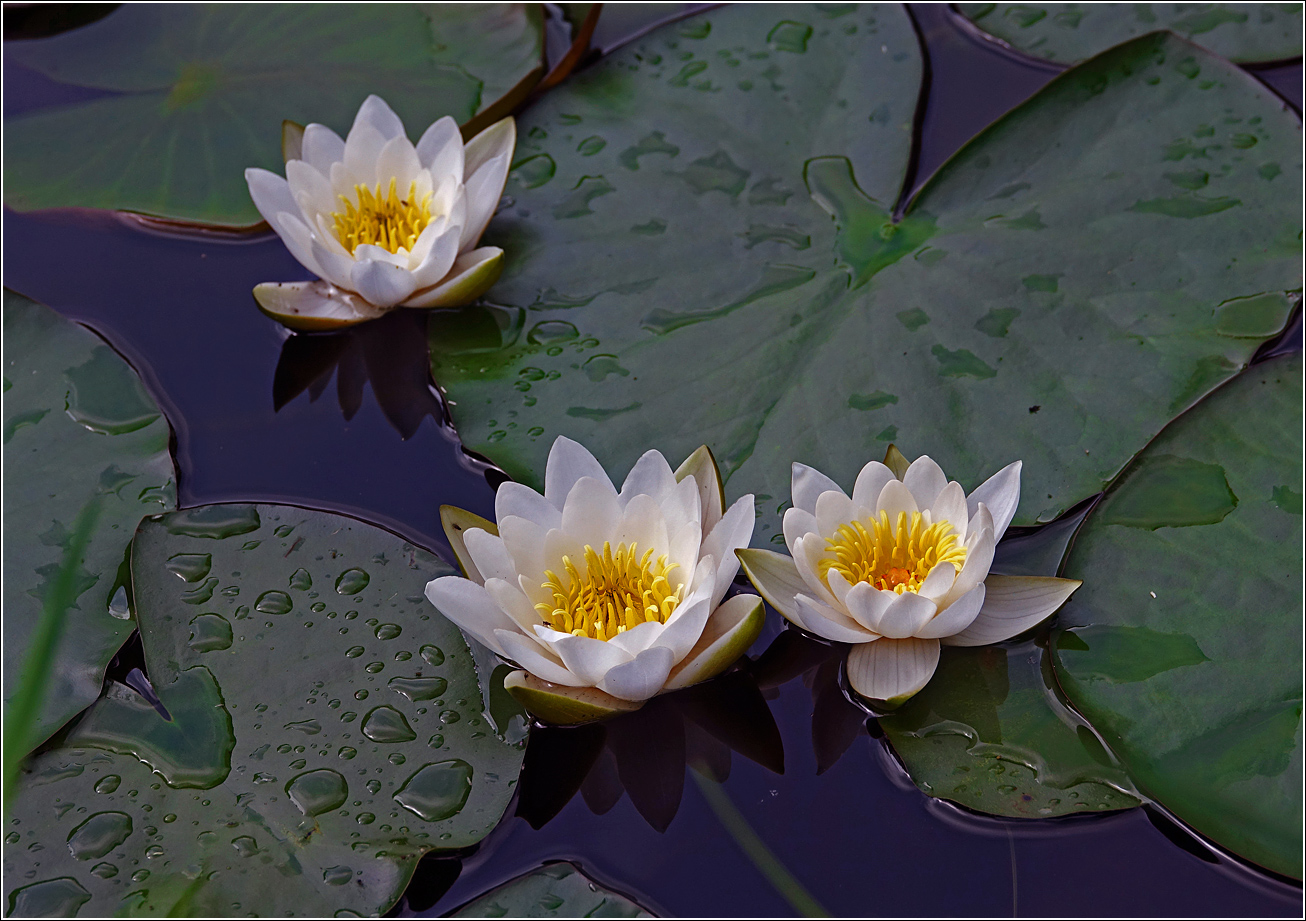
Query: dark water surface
{"points": [[859, 837]]}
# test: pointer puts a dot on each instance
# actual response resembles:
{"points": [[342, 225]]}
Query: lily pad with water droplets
{"points": [[78, 424], [1053, 294], [1185, 641], [299, 761], [1067, 33], [556, 890], [190, 96]]}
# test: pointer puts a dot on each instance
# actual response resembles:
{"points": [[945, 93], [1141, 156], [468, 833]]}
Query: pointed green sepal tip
{"points": [[894, 460], [292, 140], [561, 705], [456, 522]]}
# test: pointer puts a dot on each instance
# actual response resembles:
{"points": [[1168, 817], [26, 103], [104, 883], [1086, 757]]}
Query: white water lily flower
{"points": [[602, 597], [381, 221], [899, 568]]}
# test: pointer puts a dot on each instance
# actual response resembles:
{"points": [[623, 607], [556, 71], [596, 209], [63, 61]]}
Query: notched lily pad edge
{"points": [[977, 32]]}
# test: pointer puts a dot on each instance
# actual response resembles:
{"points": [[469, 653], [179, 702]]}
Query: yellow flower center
{"points": [[618, 591], [388, 221], [893, 557]]}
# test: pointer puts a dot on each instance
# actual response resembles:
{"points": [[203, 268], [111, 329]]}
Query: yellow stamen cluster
{"points": [[618, 591], [388, 221], [892, 556]]}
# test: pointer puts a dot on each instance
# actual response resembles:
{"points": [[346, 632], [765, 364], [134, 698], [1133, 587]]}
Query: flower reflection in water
{"points": [[644, 754]]}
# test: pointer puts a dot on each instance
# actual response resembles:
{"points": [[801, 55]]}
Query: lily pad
{"points": [[1053, 294], [78, 424], [1186, 647], [319, 727], [195, 94], [556, 890], [1067, 33], [987, 732]]}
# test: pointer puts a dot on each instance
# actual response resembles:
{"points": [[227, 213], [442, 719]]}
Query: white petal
{"points": [[833, 510], [524, 502], [379, 116], [730, 630], [839, 586], [638, 638], [925, 480], [950, 506], [866, 604], [806, 484], [979, 557], [440, 150], [535, 660], [370, 251], [702, 466], [298, 239], [823, 620], [484, 189], [643, 524], [470, 608], [903, 616], [895, 499], [641, 678], [870, 483], [685, 626], [523, 541], [321, 147], [507, 594], [797, 525], [955, 617], [683, 546], [439, 259], [1012, 605], [313, 306], [488, 553], [495, 141], [808, 553], [362, 148], [473, 274], [733, 532], [591, 513], [651, 476], [567, 463], [939, 582], [337, 267], [775, 576], [588, 659], [398, 160], [381, 282], [1001, 493], [271, 195], [892, 670], [311, 190]]}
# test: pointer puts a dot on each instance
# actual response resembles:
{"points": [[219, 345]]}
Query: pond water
{"points": [[258, 418]]}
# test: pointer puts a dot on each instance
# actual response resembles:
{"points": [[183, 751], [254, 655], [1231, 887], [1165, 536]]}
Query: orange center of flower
{"points": [[616, 591], [892, 556], [383, 220]]}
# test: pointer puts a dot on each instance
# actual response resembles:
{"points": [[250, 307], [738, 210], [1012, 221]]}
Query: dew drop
{"points": [[319, 791], [347, 753], [118, 606], [245, 846], [209, 633], [300, 580], [365, 818], [388, 631], [416, 689], [104, 870], [337, 876], [52, 898], [353, 652], [273, 602], [386, 724], [373, 667], [437, 791], [432, 655], [108, 783], [99, 835], [374, 787], [352, 581]]}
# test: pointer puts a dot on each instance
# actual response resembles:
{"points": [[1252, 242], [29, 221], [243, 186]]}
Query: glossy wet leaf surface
{"points": [[324, 726], [1185, 647], [78, 423], [989, 734], [193, 95], [558, 890], [1071, 32], [1053, 294]]}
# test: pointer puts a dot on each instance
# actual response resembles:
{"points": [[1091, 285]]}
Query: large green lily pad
{"points": [[325, 726], [199, 93], [987, 732], [1186, 654], [556, 890], [1083, 270], [78, 424], [1070, 32]]}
